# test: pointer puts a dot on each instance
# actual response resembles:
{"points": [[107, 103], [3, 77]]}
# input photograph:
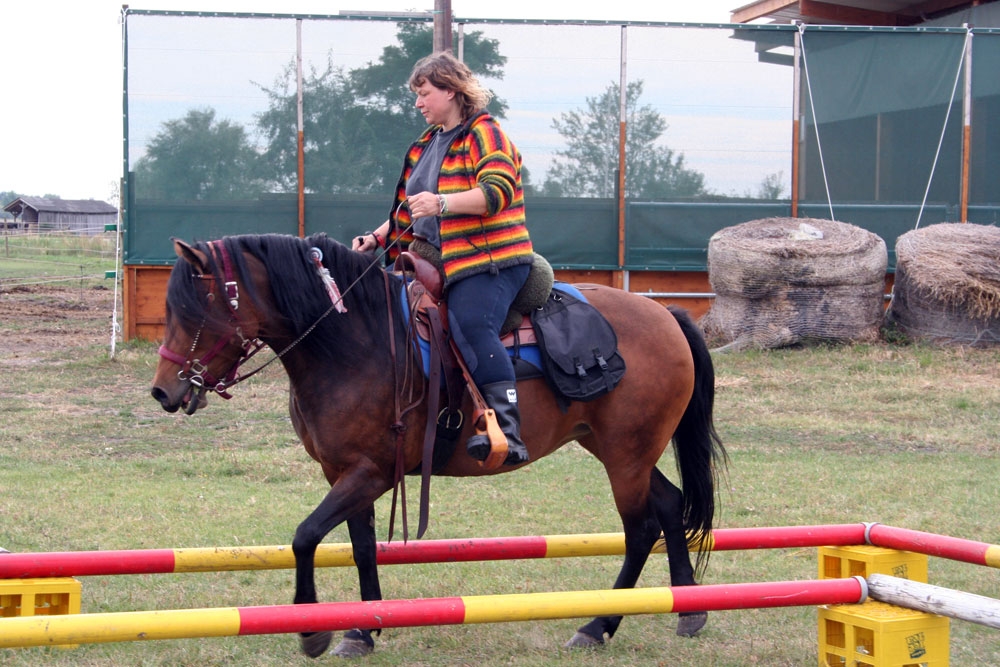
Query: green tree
{"points": [[772, 186], [340, 153], [7, 197], [358, 123], [198, 157], [588, 167]]}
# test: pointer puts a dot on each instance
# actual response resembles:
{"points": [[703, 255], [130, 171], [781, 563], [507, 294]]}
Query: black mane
{"points": [[298, 291]]}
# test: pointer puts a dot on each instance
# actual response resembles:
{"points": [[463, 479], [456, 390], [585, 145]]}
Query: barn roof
{"points": [[852, 12], [55, 205]]}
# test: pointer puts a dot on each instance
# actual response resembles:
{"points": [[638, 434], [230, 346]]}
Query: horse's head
{"points": [[227, 296], [209, 329]]}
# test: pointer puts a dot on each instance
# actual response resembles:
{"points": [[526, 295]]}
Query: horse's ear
{"points": [[194, 257]]}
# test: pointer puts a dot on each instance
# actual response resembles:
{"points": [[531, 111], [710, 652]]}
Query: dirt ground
{"points": [[38, 319]]}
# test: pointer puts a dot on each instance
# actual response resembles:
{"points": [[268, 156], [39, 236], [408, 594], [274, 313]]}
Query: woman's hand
{"points": [[423, 205], [364, 243], [369, 241]]}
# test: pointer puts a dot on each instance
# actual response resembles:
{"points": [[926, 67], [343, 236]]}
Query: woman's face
{"points": [[437, 105]]}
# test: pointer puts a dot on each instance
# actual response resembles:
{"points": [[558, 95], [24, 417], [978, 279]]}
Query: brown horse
{"points": [[228, 298]]}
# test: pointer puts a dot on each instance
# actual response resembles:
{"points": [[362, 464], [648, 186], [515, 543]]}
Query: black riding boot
{"points": [[502, 397]]}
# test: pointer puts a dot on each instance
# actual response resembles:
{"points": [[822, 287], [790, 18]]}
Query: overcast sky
{"points": [[62, 113]]}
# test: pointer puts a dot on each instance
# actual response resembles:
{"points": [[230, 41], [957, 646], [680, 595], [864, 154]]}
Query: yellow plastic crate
{"points": [[875, 634], [39, 597], [860, 561]]}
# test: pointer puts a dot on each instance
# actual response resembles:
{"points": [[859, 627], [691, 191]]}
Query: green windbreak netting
{"points": [[673, 236], [880, 105], [984, 185], [212, 128]]}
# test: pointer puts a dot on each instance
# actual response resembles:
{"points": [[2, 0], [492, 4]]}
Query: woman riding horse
{"points": [[461, 185], [228, 297]]}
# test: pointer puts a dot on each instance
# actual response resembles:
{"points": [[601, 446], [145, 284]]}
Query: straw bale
{"points": [[947, 286], [784, 281]]}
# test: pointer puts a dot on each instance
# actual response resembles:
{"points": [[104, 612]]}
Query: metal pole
{"points": [[300, 136], [796, 122]]}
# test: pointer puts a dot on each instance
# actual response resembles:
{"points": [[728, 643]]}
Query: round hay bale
{"points": [[947, 286], [784, 281]]}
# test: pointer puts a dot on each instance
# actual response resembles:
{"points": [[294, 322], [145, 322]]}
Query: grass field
{"points": [[904, 435], [54, 257]]}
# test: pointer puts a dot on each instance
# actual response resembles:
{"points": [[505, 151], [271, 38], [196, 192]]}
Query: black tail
{"points": [[698, 449]]}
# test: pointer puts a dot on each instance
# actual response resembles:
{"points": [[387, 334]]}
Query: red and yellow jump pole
{"points": [[277, 619], [930, 544], [165, 561]]}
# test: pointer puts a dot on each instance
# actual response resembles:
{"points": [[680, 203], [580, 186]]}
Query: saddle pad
{"points": [[567, 288]]}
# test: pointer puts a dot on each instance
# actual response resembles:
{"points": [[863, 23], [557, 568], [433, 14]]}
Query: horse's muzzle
{"points": [[189, 400]]}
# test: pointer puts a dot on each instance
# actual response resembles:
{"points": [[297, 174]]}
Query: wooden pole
{"points": [[619, 275], [442, 25], [935, 600]]}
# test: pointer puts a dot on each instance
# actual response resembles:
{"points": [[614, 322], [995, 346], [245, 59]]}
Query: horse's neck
{"points": [[363, 371]]}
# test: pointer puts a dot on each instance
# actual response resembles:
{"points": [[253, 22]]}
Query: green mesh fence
{"points": [[212, 128]]}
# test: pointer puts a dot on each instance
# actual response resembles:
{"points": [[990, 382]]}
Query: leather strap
{"points": [[433, 407], [399, 426], [483, 414]]}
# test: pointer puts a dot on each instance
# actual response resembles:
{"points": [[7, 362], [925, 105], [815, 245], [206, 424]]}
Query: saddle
{"points": [[424, 262], [428, 319], [578, 355]]}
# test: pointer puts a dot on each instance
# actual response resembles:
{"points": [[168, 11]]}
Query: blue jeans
{"points": [[477, 308]]}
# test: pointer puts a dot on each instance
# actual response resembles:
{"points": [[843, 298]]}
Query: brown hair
{"points": [[445, 71]]}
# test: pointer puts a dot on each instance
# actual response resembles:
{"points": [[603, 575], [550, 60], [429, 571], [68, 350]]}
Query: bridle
{"points": [[195, 370]]}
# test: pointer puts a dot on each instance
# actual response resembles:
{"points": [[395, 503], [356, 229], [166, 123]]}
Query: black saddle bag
{"points": [[579, 349]]}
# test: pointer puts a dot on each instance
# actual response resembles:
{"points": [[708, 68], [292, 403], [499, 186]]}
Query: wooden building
{"points": [[46, 214]]}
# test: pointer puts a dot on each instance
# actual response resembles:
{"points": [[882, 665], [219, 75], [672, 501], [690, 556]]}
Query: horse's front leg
{"points": [[352, 494], [359, 642]]}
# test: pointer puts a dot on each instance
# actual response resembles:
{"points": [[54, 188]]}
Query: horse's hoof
{"points": [[583, 640], [688, 624], [352, 648], [314, 644]]}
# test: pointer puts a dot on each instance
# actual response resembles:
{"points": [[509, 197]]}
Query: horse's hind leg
{"points": [[641, 532], [666, 500], [358, 643]]}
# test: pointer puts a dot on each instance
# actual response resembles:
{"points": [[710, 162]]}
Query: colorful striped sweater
{"points": [[482, 156]]}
